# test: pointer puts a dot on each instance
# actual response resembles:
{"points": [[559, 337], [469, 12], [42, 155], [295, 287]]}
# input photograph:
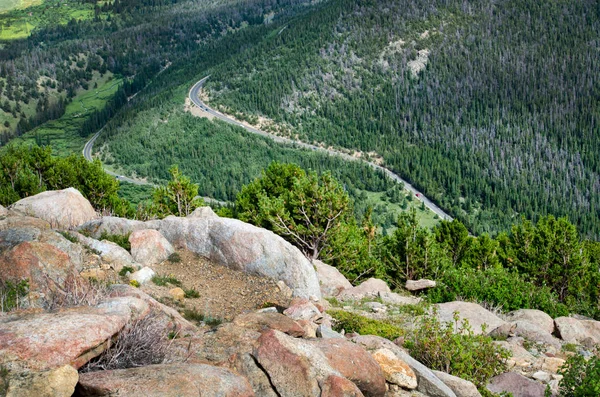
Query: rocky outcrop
{"points": [[460, 387], [369, 288], [63, 209], [537, 317], [516, 384], [112, 225], [332, 282], [476, 315], [45, 341], [418, 285], [244, 247], [584, 332], [149, 247], [165, 380], [428, 383], [527, 330]]}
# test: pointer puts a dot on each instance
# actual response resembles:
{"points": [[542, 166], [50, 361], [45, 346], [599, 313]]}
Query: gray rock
{"points": [[537, 317], [110, 253], [429, 384], [149, 247], [332, 282], [3, 211], [113, 225], [327, 333], [418, 285], [143, 275], [203, 212], [392, 298], [542, 376], [571, 330], [369, 288], [476, 315], [376, 307], [63, 209], [244, 247], [460, 387], [518, 385], [527, 330]]}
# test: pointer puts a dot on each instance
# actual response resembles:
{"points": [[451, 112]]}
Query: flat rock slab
{"points": [[74, 336], [165, 380], [63, 209], [262, 321], [476, 315], [518, 385], [418, 285]]}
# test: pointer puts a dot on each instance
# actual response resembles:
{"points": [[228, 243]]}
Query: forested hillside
{"points": [[491, 108]]}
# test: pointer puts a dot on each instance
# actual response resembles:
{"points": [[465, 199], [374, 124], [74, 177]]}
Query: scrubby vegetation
{"points": [[581, 377], [351, 322]]}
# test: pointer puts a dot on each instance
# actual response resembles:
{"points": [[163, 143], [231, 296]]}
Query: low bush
{"points": [[121, 240], [497, 286], [580, 377], [13, 295], [174, 258], [163, 281], [351, 322], [191, 293], [126, 269], [455, 349], [143, 342], [74, 291], [197, 317]]}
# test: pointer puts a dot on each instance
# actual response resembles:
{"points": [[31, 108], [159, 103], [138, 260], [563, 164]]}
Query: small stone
{"points": [[418, 285], [143, 275], [542, 376], [177, 294], [327, 333], [552, 364], [271, 309]]}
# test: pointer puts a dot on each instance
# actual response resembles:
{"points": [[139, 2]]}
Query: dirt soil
{"points": [[224, 293]]}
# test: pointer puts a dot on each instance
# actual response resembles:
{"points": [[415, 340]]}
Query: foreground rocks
{"points": [[165, 380], [63, 209]]}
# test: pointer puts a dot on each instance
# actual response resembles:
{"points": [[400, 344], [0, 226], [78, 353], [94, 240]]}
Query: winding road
{"points": [[195, 98]]}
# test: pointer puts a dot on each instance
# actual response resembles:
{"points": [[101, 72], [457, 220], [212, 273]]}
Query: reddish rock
{"points": [[395, 370], [74, 336], [63, 209], [165, 380], [262, 321], [149, 247], [354, 363], [337, 386], [302, 309], [246, 366]]}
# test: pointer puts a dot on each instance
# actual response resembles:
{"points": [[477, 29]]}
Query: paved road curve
{"points": [[195, 98]]}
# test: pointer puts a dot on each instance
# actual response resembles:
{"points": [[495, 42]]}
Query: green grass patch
{"points": [[163, 281], [192, 293], [121, 240], [351, 322], [126, 269], [198, 317]]}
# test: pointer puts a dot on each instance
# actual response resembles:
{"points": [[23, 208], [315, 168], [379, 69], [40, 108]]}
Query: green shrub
{"points": [[162, 281], [191, 293], [497, 286], [126, 269], [461, 353], [580, 377], [196, 316], [13, 294], [351, 322], [69, 237], [174, 258], [120, 239]]}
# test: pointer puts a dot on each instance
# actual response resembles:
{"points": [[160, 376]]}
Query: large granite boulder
{"points": [[573, 330], [298, 367], [165, 380], [516, 384], [244, 247], [332, 282], [537, 317], [45, 341], [149, 247], [370, 288], [476, 315], [63, 209]]}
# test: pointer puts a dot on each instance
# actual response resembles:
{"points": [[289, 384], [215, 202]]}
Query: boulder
{"points": [[476, 315], [58, 382], [63, 209], [243, 247], [326, 332], [143, 275], [369, 288], [297, 367], [428, 383], [165, 380], [418, 285], [149, 247], [110, 253], [332, 282], [246, 366], [302, 309], [537, 317], [3, 211], [337, 386], [112, 225], [263, 321], [18, 229], [177, 294], [392, 298], [572, 330], [45, 341], [518, 385], [43, 265], [395, 370], [527, 330], [460, 387]]}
